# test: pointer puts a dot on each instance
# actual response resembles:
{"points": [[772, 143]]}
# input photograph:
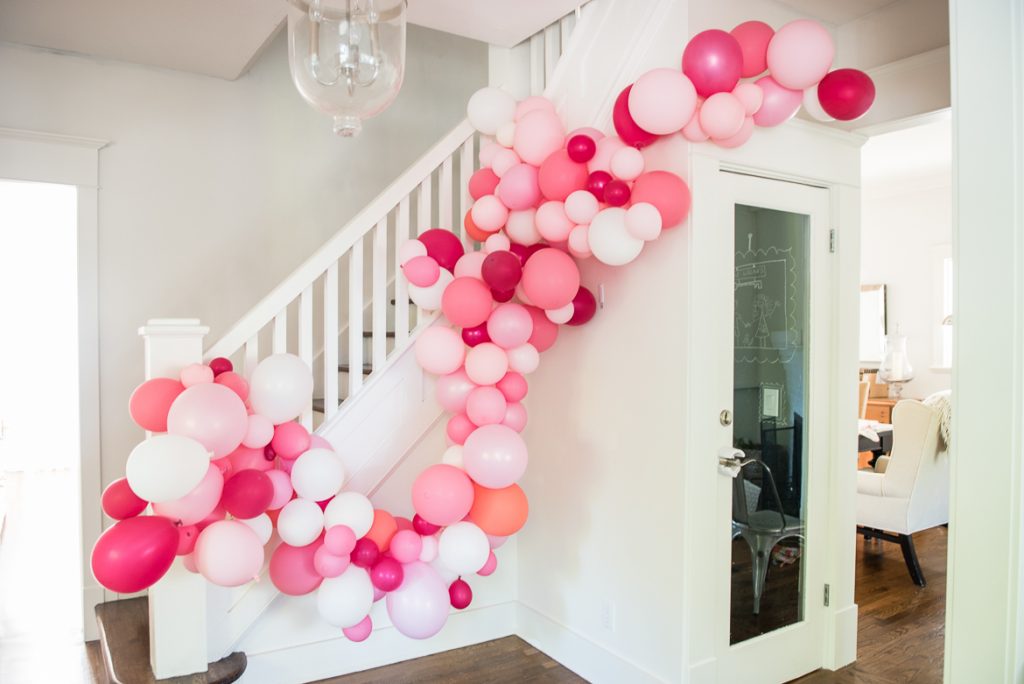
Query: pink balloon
{"points": [[442, 495], [488, 150], [750, 95], [196, 374], [532, 104], [403, 523], [741, 136], [524, 358], [510, 325], [545, 333], [466, 302], [753, 37], [489, 214], [443, 246], [212, 415], [197, 504], [421, 271], [318, 442], [486, 363], [151, 401], [293, 570], [495, 456], [229, 554], [662, 101], [490, 566], [258, 432], [282, 484], [628, 129], [513, 386], [779, 105], [340, 540], [550, 279], [497, 243], [503, 161], [460, 594], [469, 265], [120, 502], [515, 417], [411, 249], [406, 546], [244, 458], [800, 54], [721, 116], [667, 192], [247, 494], [519, 189], [495, 541], [552, 223], [291, 440], [481, 183], [579, 242], [485, 406], [538, 134], [386, 574], [693, 132], [134, 553], [187, 537], [360, 632], [713, 60], [606, 149], [234, 382], [459, 428], [452, 391], [328, 564], [439, 350], [419, 608], [846, 94], [559, 176]]}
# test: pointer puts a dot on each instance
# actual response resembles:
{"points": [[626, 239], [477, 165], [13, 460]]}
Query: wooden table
{"points": [[880, 448]]}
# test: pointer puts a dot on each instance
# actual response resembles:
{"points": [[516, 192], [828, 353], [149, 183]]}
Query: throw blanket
{"points": [[941, 402]]}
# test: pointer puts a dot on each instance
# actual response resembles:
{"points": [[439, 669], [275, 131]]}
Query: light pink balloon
{"points": [[197, 504], [581, 206], [495, 541], [495, 456], [552, 223], [780, 104], [362, 631], [532, 104], [453, 389], [662, 101], [487, 152], [800, 54], [627, 164], [643, 221], [489, 214], [486, 406], [588, 131], [504, 161], [340, 540], [411, 249], [751, 95], [459, 427], [486, 363], [521, 227], [196, 374], [490, 566], [606, 149], [189, 561], [538, 134], [721, 116], [329, 565], [524, 359], [515, 416], [693, 132], [497, 243], [318, 442], [258, 433], [518, 188], [406, 546], [421, 271], [440, 350], [442, 495], [510, 325], [742, 136], [419, 608], [211, 414], [228, 553], [469, 264], [579, 242], [244, 458], [282, 489]]}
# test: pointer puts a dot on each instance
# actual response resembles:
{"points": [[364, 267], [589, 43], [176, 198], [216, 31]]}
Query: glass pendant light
{"points": [[347, 57]]}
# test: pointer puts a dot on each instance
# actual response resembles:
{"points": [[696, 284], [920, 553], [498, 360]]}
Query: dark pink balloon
{"points": [[187, 536], [846, 94], [120, 502], [581, 148], [221, 365], [626, 127], [501, 270], [524, 253], [134, 553], [247, 493], [268, 453], [584, 306], [616, 193], [502, 297], [475, 335], [292, 569], [713, 60], [544, 331], [443, 246], [423, 527], [218, 513], [597, 182], [366, 553], [460, 594], [753, 37], [386, 574]]}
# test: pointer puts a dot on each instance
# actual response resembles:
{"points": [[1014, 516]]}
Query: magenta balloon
{"points": [[753, 37], [365, 553], [187, 539], [713, 60], [501, 270], [510, 326], [584, 306], [519, 187], [846, 94], [513, 386], [581, 148], [443, 246], [616, 193], [195, 506], [211, 414], [495, 456], [551, 279], [560, 176], [360, 632], [386, 574], [779, 105], [419, 608], [423, 527], [476, 334], [293, 571], [120, 502], [134, 553], [597, 182], [626, 127], [220, 365], [247, 494], [442, 495], [460, 594], [502, 296], [453, 389]]}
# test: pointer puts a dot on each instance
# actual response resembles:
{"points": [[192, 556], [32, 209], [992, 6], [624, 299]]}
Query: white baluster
{"points": [[466, 168], [306, 345], [444, 196], [566, 26], [401, 285], [252, 354], [537, 79], [423, 216], [331, 341], [355, 318], [552, 49], [379, 302], [280, 343]]}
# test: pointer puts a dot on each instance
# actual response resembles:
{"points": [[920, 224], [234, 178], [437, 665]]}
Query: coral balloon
{"points": [[150, 402], [584, 306], [753, 37], [713, 60], [779, 105], [551, 278], [442, 495], [212, 415], [545, 333], [560, 175], [846, 94], [383, 529], [134, 553], [482, 182], [499, 512], [627, 128], [120, 502], [293, 569], [247, 494], [666, 191], [662, 101], [439, 350], [466, 302], [443, 246], [800, 54]]}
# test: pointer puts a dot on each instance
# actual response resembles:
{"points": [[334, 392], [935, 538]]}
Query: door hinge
{"points": [[826, 595], [832, 240]]}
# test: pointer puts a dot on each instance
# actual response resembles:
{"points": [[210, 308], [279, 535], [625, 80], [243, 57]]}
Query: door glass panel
{"points": [[770, 361]]}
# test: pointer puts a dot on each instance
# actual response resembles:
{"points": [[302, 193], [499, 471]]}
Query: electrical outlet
{"points": [[608, 616]]}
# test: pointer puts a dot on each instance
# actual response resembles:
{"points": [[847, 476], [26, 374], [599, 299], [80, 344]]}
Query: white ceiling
{"points": [[919, 152], [836, 11]]}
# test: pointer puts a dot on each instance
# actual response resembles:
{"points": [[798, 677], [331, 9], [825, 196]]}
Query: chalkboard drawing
{"points": [[765, 312]]}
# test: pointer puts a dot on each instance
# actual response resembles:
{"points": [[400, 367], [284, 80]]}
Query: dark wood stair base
{"points": [[346, 368], [124, 643]]}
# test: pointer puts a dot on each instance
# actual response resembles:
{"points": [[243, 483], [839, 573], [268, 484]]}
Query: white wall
{"points": [[212, 191]]}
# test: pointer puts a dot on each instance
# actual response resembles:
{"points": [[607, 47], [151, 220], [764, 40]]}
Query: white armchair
{"points": [[911, 493]]}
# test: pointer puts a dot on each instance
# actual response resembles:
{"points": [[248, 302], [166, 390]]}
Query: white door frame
{"points": [[985, 584], [70, 160]]}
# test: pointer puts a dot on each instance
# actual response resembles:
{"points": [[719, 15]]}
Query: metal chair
{"points": [[763, 527]]}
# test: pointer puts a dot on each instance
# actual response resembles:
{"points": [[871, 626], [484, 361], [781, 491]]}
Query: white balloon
{"points": [[351, 509], [262, 526], [506, 134], [446, 574], [813, 106], [280, 387], [610, 241], [521, 227], [345, 600], [166, 467], [489, 109], [561, 315], [428, 552], [463, 548], [429, 298], [523, 359], [643, 221], [453, 456], [301, 521], [318, 474]]}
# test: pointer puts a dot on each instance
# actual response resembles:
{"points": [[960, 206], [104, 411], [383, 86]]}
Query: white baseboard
{"points": [[843, 649], [704, 672], [581, 655]]}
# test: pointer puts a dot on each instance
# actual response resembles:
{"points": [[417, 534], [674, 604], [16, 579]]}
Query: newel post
{"points": [[177, 603]]}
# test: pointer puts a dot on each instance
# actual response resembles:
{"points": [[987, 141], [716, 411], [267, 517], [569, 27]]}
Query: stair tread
{"points": [[369, 333], [124, 640], [345, 368], [318, 404]]}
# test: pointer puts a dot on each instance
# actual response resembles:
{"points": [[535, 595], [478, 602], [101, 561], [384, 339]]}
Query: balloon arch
{"points": [[230, 465]]}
